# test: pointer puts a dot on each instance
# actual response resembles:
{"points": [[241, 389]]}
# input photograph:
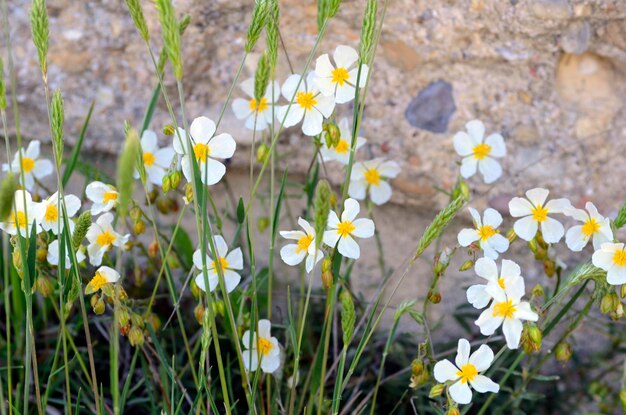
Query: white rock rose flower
{"points": [[206, 147], [478, 295], [52, 211], [595, 227], [486, 233], [309, 104], [341, 233], [341, 151], [479, 153], [372, 178], [304, 248], [24, 214], [534, 212], [54, 254], [261, 348], [230, 263], [102, 237], [466, 371], [156, 160], [30, 165], [257, 114], [104, 275], [339, 80], [611, 257], [104, 197]]}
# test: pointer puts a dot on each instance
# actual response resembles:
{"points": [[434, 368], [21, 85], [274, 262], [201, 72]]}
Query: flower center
{"points": [[467, 373], [19, 219], [303, 243], [590, 227], [109, 196], [264, 346], [486, 232], [306, 100], [504, 309], [345, 228], [501, 282], [372, 177], [223, 264], [540, 213], [201, 151], [106, 238], [340, 76], [258, 106], [619, 258], [481, 151], [342, 147], [28, 164], [52, 213], [97, 282], [148, 158]]}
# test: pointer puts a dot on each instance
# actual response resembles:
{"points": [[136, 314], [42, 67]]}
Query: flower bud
{"points": [[175, 178], [549, 267], [166, 183], [467, 265], [154, 321], [327, 273], [537, 291], [168, 130], [609, 303], [532, 245], [262, 224], [125, 329], [152, 196], [619, 312], [17, 261], [622, 291], [42, 254], [137, 320], [564, 352], [97, 306], [195, 291], [172, 261], [45, 285], [123, 317], [163, 205], [453, 410], [436, 391], [139, 227], [135, 337], [218, 308], [332, 136], [434, 297], [511, 235], [262, 152], [189, 192], [531, 338], [199, 313], [153, 249]]}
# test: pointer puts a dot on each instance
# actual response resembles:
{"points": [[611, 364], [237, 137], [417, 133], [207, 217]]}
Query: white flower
{"points": [[466, 372], [104, 275], [486, 233], [341, 233], [156, 161], [206, 148], [341, 151], [308, 103], [611, 257], [506, 310], [340, 79], [30, 164], [372, 177], [534, 211], [103, 196], [479, 153], [293, 254], [257, 114], [595, 227], [230, 262], [54, 253], [261, 346], [24, 214], [102, 237], [51, 211], [486, 268]]}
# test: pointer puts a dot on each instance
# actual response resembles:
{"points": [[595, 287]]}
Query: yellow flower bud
{"points": [[168, 130], [42, 254], [332, 136], [97, 306], [564, 352], [44, 285], [453, 410], [166, 183], [218, 307], [154, 321], [262, 152], [175, 178], [135, 337], [467, 265], [511, 235], [549, 267], [436, 391], [609, 303], [153, 249], [262, 224], [189, 192], [199, 313], [537, 291], [434, 297], [139, 227], [622, 291], [123, 317]]}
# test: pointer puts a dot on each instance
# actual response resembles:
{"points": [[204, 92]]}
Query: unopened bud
{"points": [[549, 267], [45, 285], [163, 205], [327, 273], [125, 329], [172, 261], [154, 321], [436, 391], [166, 183], [537, 291], [434, 297], [42, 254], [195, 290], [135, 337], [511, 235], [98, 306], [168, 130], [453, 410], [609, 303], [153, 249], [139, 227], [123, 317], [332, 136], [17, 261], [175, 178], [262, 224], [417, 367], [189, 192], [531, 338], [135, 213], [152, 195], [467, 265], [564, 352], [262, 152], [619, 312], [532, 245], [622, 291], [199, 313], [218, 308]]}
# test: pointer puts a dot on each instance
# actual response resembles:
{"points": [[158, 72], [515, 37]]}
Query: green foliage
{"points": [[171, 35], [368, 32], [323, 193], [438, 224], [125, 170], [56, 124], [136, 12], [259, 19], [80, 231], [261, 77], [41, 31], [7, 195], [620, 219], [3, 95], [348, 316], [271, 34]]}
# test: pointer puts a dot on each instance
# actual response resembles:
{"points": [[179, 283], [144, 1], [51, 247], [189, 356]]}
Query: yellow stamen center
{"points": [[264, 346], [340, 76], [223, 264], [345, 228], [109, 196], [303, 243], [19, 219], [148, 158], [504, 309], [372, 177], [467, 373], [481, 151], [501, 282], [619, 258], [306, 100], [52, 213], [258, 106], [201, 151], [97, 282], [540, 213], [590, 227], [106, 238], [28, 164], [342, 147], [486, 232]]}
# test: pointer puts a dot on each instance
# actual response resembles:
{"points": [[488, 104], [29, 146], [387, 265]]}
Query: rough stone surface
{"points": [[432, 108]]}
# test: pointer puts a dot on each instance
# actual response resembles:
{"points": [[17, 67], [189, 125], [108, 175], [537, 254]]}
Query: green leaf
{"points": [[241, 211]]}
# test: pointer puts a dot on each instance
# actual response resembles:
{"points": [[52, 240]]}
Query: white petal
{"points": [[351, 208], [323, 68], [445, 371], [363, 228], [325, 105], [333, 220], [312, 124], [482, 358], [202, 129], [231, 280], [467, 236], [552, 230], [476, 130], [477, 296], [499, 243], [294, 235], [510, 269], [468, 167], [251, 360], [164, 156], [345, 56], [380, 194], [42, 168], [291, 118], [575, 239], [149, 141], [290, 87], [222, 146], [525, 228], [492, 218], [603, 258], [461, 393], [524, 312], [463, 144], [558, 205], [241, 108], [515, 288], [32, 151], [235, 259], [331, 238], [537, 196], [462, 353], [247, 87], [490, 169], [357, 189], [518, 207], [616, 275], [290, 256], [345, 93], [349, 248], [269, 364], [486, 268], [512, 330], [488, 323], [213, 172], [498, 149], [483, 384]]}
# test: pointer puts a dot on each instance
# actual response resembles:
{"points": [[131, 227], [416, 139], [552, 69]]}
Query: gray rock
{"points": [[576, 38], [551, 9], [432, 108]]}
